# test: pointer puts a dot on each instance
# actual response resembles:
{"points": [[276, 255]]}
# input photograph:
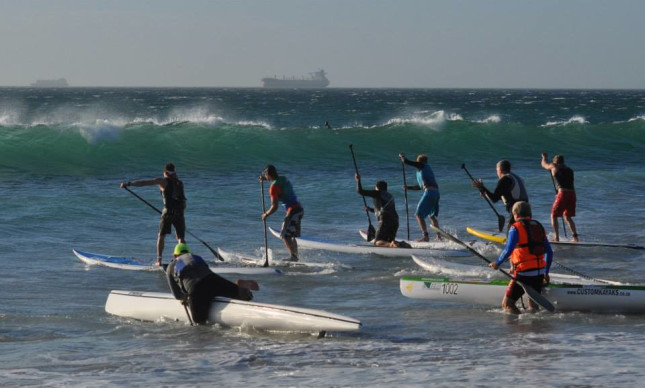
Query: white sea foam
{"points": [[573, 120], [7, 120], [637, 118], [492, 119], [433, 120], [100, 131]]}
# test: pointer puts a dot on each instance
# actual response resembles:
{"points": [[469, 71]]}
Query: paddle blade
{"points": [[371, 233], [537, 297], [500, 222]]}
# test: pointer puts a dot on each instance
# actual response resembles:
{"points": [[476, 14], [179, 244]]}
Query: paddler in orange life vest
{"points": [[530, 254], [282, 191]]}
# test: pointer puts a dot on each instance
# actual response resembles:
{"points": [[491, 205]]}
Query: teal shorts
{"points": [[429, 204]]}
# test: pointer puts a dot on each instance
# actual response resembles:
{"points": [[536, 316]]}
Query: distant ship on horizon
{"points": [[50, 83], [316, 80]]}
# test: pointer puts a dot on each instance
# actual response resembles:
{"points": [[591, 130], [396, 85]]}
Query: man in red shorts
{"points": [[565, 200]]}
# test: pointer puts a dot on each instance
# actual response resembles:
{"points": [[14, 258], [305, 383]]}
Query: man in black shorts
{"points": [[385, 211], [174, 201], [510, 188]]}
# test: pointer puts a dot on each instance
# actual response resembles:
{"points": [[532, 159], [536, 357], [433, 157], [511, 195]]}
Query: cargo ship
{"points": [[50, 83], [316, 80]]}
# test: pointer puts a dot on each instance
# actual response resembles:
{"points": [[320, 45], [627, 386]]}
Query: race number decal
{"points": [[449, 288]]}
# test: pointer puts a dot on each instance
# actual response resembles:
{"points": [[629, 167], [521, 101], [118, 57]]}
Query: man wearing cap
{"points": [[192, 282], [281, 191], [385, 211], [174, 201]]}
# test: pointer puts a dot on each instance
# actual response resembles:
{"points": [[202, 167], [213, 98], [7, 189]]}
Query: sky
{"points": [[584, 44]]}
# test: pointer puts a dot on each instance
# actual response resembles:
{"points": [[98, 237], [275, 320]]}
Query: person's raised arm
{"points": [[143, 182]]}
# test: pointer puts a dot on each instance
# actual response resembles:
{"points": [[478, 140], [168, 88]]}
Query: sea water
{"points": [[63, 153]]}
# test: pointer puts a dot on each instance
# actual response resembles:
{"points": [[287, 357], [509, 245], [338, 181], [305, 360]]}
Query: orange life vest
{"points": [[529, 251]]}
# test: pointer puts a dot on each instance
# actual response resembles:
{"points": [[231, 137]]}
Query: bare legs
{"points": [[509, 306], [424, 227], [292, 246], [572, 226], [160, 244], [161, 238]]}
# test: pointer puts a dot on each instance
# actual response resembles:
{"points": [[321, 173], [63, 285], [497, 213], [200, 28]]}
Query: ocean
{"points": [[63, 153]]}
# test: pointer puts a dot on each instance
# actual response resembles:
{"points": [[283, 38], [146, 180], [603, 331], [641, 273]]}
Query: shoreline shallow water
{"points": [[63, 154]]}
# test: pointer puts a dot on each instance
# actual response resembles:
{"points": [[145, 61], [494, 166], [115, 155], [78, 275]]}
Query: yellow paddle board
{"points": [[489, 236]]}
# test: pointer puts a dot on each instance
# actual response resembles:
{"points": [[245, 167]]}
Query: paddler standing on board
{"points": [[194, 284], [174, 201], [531, 256], [281, 191], [564, 204], [510, 188], [428, 205]]}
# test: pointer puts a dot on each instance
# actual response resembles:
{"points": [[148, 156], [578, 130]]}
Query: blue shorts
{"points": [[429, 204]]}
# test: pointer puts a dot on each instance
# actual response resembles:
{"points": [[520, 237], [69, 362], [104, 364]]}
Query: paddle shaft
{"points": [[369, 220], [214, 252], [264, 222], [407, 213], [463, 166], [190, 319], [532, 293], [500, 218], [564, 229]]}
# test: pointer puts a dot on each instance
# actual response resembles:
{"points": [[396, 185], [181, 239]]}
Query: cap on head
{"points": [[180, 249], [170, 168], [381, 185]]}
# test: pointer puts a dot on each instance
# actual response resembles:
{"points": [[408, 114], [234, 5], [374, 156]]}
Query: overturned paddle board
{"points": [[155, 306]]}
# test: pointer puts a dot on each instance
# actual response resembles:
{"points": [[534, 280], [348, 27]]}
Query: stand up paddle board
{"points": [[483, 271], [133, 264], [330, 245], [155, 306], [259, 261], [501, 239], [438, 245]]}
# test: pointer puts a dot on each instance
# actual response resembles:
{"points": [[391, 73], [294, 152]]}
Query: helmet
{"points": [[181, 248]]}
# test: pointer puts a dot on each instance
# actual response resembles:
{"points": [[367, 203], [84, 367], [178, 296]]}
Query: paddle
{"points": [[500, 218], [214, 252], [190, 319], [407, 213], [534, 295], [564, 229], [183, 302], [264, 222], [371, 233]]}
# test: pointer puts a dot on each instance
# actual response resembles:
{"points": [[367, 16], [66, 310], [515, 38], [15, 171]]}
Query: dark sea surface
{"points": [[63, 153]]}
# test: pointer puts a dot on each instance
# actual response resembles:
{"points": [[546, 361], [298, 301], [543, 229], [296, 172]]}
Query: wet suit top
{"points": [[510, 189], [425, 176]]}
